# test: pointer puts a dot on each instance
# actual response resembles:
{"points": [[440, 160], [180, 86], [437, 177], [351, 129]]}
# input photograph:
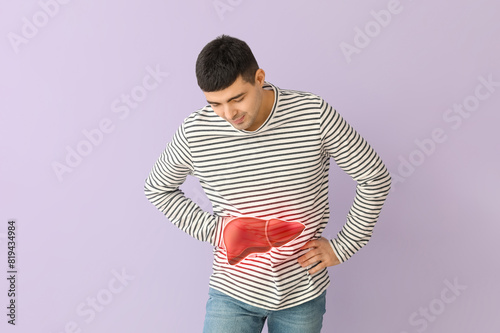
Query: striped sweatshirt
{"points": [[279, 171]]}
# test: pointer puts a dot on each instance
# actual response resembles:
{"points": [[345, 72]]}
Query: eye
{"points": [[238, 100]]}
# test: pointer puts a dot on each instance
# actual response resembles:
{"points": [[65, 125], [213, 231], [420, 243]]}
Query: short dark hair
{"points": [[222, 60]]}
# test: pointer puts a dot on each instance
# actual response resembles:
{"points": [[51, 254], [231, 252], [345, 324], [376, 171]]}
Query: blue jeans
{"points": [[225, 314]]}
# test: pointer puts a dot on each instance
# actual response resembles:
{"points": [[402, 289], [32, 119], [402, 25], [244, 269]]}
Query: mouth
{"points": [[239, 120]]}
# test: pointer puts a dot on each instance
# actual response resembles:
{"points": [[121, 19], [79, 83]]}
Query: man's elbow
{"points": [[387, 180]]}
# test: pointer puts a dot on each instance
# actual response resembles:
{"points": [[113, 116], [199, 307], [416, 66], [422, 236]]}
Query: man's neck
{"points": [[267, 103]]}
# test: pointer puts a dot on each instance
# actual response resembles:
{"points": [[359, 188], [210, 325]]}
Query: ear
{"points": [[260, 77]]}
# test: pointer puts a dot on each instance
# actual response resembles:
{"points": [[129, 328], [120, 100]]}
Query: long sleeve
{"points": [[355, 157], [162, 190]]}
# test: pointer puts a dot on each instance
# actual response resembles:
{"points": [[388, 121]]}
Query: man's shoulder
{"points": [[299, 95], [203, 121], [299, 101], [202, 115]]}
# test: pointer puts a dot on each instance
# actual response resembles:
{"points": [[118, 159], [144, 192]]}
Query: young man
{"points": [[262, 156]]}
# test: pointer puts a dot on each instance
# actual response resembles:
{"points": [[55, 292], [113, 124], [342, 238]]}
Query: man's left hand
{"points": [[320, 251]]}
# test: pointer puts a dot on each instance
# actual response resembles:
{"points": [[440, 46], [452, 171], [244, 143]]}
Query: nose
{"points": [[230, 112]]}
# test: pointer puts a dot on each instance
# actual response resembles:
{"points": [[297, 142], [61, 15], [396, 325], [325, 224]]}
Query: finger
{"points": [[318, 267], [309, 258], [307, 262], [308, 254]]}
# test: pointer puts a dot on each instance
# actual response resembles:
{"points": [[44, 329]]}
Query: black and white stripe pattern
{"points": [[278, 171]]}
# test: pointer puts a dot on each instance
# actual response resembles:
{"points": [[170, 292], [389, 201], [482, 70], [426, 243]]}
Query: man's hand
{"points": [[320, 251]]}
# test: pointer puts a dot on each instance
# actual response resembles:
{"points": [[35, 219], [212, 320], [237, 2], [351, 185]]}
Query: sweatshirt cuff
{"points": [[219, 227], [339, 251]]}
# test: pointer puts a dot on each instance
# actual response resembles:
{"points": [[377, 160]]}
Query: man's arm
{"points": [[162, 189], [358, 159]]}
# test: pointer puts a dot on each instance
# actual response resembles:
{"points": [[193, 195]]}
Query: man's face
{"points": [[240, 104]]}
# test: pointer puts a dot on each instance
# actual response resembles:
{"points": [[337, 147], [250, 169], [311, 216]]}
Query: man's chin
{"points": [[246, 125], [243, 126], [239, 126]]}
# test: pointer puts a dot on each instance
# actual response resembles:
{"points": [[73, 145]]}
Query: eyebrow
{"points": [[229, 100]]}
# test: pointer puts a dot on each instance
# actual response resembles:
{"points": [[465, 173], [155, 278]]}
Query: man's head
{"points": [[221, 62], [231, 80]]}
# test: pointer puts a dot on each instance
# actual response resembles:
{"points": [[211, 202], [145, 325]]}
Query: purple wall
{"points": [[420, 80]]}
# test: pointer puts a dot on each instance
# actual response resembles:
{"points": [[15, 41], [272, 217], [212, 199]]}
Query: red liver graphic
{"points": [[245, 235]]}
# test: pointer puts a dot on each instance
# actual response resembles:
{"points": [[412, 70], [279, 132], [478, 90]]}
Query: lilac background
{"points": [[439, 225]]}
